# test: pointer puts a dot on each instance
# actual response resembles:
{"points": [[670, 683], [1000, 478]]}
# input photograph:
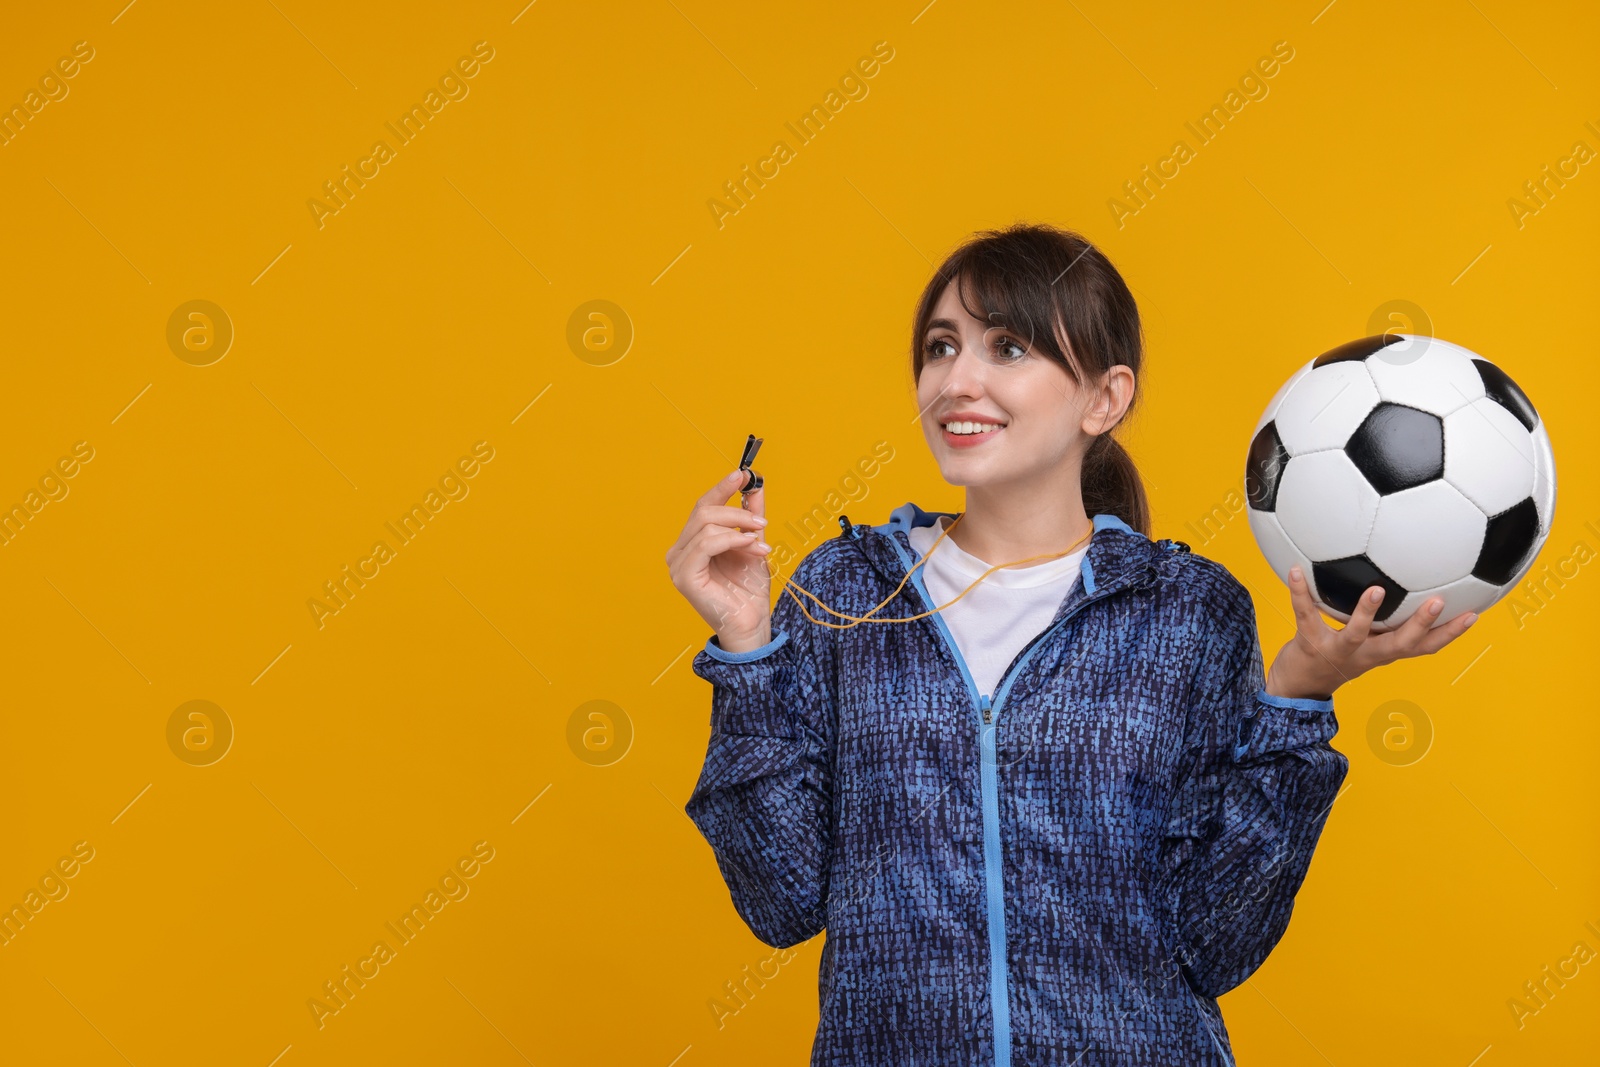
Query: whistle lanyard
{"points": [[790, 585]]}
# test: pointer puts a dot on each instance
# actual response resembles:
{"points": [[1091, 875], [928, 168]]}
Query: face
{"points": [[1030, 415]]}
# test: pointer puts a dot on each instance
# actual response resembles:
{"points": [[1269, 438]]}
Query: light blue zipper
{"points": [[989, 786], [994, 888]]}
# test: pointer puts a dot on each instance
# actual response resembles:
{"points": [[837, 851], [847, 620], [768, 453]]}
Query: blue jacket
{"points": [[1068, 870]]}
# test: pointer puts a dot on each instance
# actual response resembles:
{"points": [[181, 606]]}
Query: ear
{"points": [[1109, 400]]}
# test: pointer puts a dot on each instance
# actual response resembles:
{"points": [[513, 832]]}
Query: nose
{"points": [[965, 374]]}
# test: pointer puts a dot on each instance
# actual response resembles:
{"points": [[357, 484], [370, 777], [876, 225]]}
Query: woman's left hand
{"points": [[1319, 659]]}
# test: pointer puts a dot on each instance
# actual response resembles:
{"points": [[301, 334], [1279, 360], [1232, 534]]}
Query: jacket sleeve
{"points": [[1259, 777], [764, 798]]}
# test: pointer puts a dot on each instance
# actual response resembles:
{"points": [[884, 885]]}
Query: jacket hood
{"points": [[1118, 557]]}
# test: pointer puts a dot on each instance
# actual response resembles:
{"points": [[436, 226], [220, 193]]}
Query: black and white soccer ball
{"points": [[1402, 461]]}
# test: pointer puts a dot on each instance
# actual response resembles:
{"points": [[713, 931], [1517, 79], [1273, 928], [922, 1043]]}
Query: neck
{"points": [[1005, 523]]}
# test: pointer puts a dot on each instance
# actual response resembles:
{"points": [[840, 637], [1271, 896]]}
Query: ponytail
{"points": [[1111, 484]]}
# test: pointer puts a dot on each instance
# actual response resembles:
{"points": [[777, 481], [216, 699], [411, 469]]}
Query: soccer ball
{"points": [[1406, 462]]}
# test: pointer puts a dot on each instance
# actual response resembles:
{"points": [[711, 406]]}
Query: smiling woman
{"points": [[1072, 753]]}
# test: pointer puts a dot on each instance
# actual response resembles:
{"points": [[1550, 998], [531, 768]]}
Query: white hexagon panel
{"points": [[1326, 506], [1488, 455], [1325, 407], [1395, 549], [1425, 373]]}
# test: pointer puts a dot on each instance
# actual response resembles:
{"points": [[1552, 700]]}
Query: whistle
{"points": [[752, 480]]}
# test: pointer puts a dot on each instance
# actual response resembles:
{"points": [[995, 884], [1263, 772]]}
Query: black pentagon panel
{"points": [[1341, 582], [1509, 538], [1263, 469], [1398, 447], [1505, 392], [1356, 350]]}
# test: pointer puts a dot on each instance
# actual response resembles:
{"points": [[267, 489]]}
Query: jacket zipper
{"points": [[989, 788]]}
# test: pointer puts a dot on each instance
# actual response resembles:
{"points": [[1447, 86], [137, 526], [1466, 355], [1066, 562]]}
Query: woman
{"points": [[1052, 821]]}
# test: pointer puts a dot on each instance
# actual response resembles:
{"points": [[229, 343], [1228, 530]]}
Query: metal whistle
{"points": [[752, 480]]}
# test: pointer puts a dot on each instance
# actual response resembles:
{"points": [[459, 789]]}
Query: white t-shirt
{"points": [[1003, 612]]}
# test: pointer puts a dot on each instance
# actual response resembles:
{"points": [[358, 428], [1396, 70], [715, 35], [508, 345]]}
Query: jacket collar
{"points": [[1119, 557]]}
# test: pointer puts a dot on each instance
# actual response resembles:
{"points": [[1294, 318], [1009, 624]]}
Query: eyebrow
{"points": [[946, 324]]}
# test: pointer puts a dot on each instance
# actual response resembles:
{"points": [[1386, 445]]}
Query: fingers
{"points": [[1439, 636], [712, 509], [715, 540], [1306, 616], [1414, 631], [1360, 625], [728, 515], [715, 502], [719, 493]]}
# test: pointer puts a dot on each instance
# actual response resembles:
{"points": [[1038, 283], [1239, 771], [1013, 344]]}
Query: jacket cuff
{"points": [[750, 690], [1282, 724], [1299, 703], [715, 650]]}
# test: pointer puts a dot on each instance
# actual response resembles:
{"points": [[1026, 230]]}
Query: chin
{"points": [[961, 473]]}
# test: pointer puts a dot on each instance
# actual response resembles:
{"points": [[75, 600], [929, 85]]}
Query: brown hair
{"points": [[1041, 283]]}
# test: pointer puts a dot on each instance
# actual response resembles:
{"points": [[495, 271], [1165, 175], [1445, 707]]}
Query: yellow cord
{"points": [[856, 621]]}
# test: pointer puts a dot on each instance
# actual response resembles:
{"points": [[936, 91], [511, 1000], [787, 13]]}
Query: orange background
{"points": [[436, 709]]}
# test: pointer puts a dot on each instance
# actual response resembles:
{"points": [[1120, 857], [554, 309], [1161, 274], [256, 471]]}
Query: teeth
{"points": [[971, 427]]}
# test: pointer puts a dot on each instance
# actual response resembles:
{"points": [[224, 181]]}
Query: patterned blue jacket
{"points": [[1068, 870]]}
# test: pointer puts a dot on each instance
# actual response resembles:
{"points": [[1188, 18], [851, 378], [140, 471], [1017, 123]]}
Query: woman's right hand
{"points": [[721, 569]]}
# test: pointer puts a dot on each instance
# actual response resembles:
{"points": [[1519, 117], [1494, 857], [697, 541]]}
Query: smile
{"points": [[970, 434]]}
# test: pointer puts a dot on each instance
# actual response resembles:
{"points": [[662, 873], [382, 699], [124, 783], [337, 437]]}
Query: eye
{"points": [[1005, 345], [932, 348]]}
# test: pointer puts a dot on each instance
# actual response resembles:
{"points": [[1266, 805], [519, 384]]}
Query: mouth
{"points": [[962, 433]]}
